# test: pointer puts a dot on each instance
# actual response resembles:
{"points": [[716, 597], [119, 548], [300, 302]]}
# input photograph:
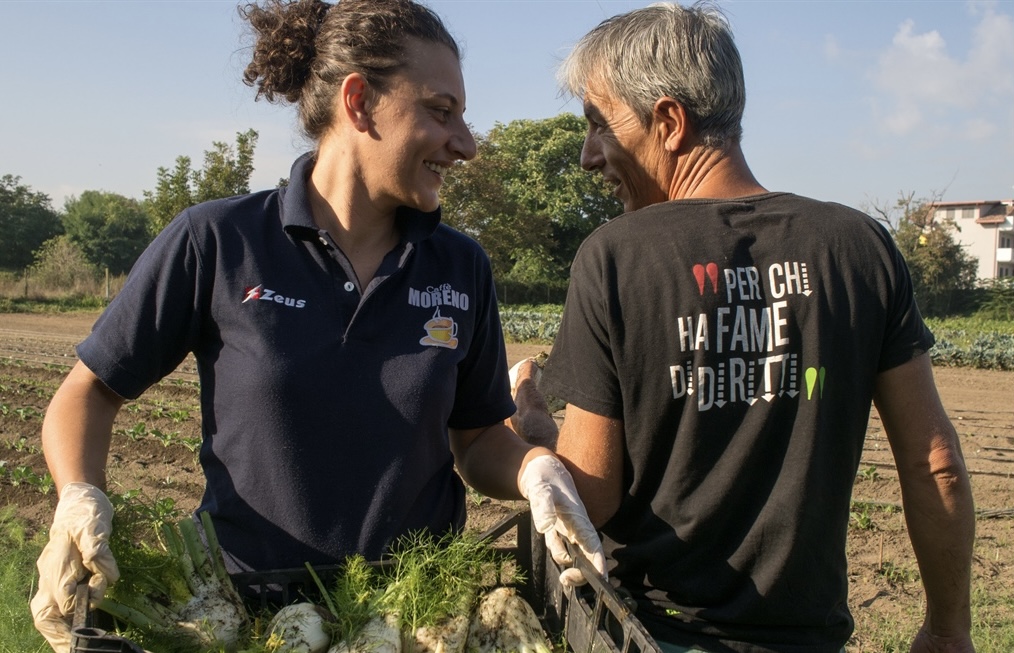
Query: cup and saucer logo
{"points": [[440, 332]]}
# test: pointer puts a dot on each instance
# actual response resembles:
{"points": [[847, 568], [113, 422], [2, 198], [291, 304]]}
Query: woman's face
{"points": [[418, 130]]}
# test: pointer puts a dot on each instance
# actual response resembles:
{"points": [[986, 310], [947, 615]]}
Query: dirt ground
{"points": [[154, 437]]}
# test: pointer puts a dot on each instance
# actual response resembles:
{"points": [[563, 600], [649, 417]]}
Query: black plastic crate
{"points": [[592, 618], [86, 638]]}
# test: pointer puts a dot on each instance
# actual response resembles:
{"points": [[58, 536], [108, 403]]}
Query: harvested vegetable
{"points": [[429, 584], [300, 628], [504, 622], [176, 596], [381, 634], [449, 636]]}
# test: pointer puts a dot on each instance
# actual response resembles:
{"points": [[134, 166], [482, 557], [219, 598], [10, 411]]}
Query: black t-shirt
{"points": [[738, 341], [325, 406]]}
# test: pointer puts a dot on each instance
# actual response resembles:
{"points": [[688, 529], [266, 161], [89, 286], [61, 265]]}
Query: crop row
{"points": [[986, 351]]}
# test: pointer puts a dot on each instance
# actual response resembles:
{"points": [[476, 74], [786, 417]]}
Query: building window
{"points": [[1006, 242], [966, 213]]}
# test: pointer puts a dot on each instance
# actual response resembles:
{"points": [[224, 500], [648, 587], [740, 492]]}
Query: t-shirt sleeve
{"points": [[152, 323], [906, 334], [581, 369], [483, 390]]}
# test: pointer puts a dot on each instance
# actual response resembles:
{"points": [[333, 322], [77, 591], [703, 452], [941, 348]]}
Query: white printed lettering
{"points": [[701, 341], [705, 388], [778, 323]]}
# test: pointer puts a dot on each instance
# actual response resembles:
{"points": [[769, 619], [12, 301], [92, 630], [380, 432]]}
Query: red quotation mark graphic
{"points": [[710, 272]]}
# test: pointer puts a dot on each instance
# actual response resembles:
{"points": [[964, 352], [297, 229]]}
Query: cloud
{"points": [[832, 49], [921, 81], [978, 129]]}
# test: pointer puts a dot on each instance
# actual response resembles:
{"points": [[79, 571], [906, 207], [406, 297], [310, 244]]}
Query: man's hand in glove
{"points": [[558, 512], [78, 546]]}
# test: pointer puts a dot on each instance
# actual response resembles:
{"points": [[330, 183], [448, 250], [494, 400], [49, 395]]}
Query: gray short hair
{"points": [[665, 50]]}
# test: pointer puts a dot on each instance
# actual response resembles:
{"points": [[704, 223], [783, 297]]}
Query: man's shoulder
{"points": [[777, 203]]}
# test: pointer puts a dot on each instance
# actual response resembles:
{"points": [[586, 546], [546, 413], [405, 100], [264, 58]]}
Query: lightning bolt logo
{"points": [[252, 293]]}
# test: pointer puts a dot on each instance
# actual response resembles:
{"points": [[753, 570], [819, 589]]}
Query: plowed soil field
{"points": [[155, 436]]}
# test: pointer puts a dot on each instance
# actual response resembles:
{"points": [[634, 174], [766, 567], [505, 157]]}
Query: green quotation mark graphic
{"points": [[814, 376]]}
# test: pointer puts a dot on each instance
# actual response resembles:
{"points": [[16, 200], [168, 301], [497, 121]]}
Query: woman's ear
{"points": [[355, 101], [671, 122]]}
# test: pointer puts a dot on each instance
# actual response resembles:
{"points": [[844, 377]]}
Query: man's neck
{"points": [[710, 173]]}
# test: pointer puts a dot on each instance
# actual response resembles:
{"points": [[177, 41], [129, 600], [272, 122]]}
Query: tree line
{"points": [[108, 231], [524, 198]]}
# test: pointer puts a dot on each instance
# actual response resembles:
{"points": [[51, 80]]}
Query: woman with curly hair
{"points": [[350, 351]]}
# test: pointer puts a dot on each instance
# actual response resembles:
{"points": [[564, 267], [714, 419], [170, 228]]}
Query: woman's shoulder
{"points": [[230, 210], [238, 219], [446, 236]]}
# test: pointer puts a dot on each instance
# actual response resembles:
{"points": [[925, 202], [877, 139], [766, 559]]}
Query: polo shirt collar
{"points": [[415, 225]]}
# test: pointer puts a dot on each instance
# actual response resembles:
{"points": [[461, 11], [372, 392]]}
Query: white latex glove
{"points": [[78, 545], [558, 512]]}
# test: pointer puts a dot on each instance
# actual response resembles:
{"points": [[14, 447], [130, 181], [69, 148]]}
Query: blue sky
{"points": [[855, 101]]}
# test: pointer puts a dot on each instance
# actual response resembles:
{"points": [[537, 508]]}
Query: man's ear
{"points": [[355, 101], [671, 123]]}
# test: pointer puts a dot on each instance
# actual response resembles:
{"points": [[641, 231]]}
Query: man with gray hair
{"points": [[719, 351]]}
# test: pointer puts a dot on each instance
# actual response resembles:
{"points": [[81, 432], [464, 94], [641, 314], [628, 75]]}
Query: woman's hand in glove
{"points": [[558, 512], [78, 547]]}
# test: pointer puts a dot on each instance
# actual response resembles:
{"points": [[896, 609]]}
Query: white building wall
{"points": [[978, 240]]}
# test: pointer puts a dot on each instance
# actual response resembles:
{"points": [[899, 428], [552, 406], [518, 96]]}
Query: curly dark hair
{"points": [[304, 49]]}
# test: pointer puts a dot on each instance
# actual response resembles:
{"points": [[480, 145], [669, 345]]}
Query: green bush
{"points": [[59, 263], [997, 299]]}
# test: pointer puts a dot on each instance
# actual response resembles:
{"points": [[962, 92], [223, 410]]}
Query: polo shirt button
{"points": [[349, 286]]}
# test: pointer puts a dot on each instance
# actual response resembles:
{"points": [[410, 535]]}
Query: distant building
{"points": [[987, 233]]}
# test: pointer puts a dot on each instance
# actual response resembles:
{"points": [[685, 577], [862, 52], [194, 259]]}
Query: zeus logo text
{"points": [[260, 293]]}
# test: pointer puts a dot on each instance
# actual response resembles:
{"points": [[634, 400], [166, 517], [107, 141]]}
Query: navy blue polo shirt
{"points": [[325, 406]]}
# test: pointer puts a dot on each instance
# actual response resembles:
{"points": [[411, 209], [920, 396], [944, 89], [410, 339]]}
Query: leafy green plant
{"points": [[45, 483], [869, 473], [179, 415], [26, 413], [898, 574], [141, 516], [475, 496], [22, 445], [862, 519], [165, 438], [20, 474], [137, 431], [192, 444]]}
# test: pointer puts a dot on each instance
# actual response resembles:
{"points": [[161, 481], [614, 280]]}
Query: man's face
{"points": [[630, 156]]}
